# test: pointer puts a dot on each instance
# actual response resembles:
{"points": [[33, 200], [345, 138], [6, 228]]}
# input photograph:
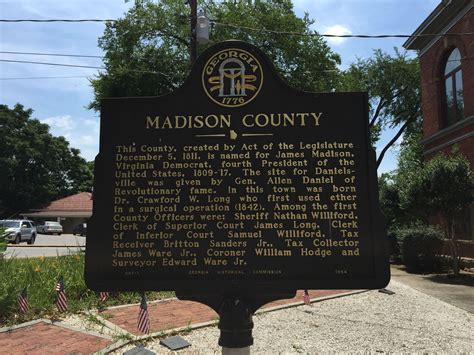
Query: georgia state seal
{"points": [[232, 77]]}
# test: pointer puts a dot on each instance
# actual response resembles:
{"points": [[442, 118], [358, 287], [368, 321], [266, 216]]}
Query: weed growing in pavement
{"points": [[93, 322], [123, 337], [187, 329], [297, 347], [92, 318], [106, 316], [40, 276]]}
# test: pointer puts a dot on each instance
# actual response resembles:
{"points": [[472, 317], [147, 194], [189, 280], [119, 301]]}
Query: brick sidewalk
{"points": [[46, 338], [174, 313]]}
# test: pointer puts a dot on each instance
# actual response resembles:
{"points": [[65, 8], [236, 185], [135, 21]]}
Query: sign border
{"points": [[380, 262]]}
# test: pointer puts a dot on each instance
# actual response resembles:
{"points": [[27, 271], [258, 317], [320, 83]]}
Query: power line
{"points": [[47, 77], [90, 67], [58, 20], [87, 67], [103, 68], [54, 54], [55, 64], [315, 34], [102, 57]]}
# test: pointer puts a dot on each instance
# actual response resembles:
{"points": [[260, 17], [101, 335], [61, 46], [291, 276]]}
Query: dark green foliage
{"points": [[155, 36], [442, 186], [36, 166], [391, 185], [420, 244], [410, 159], [389, 200], [40, 276], [445, 185]]}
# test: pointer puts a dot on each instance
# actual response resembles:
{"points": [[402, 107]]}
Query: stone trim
{"points": [[447, 130], [447, 144], [451, 24]]}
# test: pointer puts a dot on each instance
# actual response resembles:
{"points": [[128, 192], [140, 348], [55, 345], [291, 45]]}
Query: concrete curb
{"points": [[85, 331], [115, 328], [23, 325], [112, 347], [148, 302], [58, 323]]}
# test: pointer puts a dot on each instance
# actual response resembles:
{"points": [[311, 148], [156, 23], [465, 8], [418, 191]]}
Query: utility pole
{"points": [[193, 48]]}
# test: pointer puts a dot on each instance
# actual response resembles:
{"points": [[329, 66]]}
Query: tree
{"points": [[410, 158], [393, 84], [445, 186], [35, 166], [410, 162], [147, 51], [389, 200]]}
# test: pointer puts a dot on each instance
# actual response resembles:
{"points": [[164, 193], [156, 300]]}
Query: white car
{"points": [[17, 230], [49, 227]]}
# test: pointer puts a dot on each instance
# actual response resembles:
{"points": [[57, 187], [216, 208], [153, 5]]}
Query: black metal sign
{"points": [[235, 181]]}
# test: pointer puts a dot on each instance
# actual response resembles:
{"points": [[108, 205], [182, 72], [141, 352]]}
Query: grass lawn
{"points": [[40, 275]]}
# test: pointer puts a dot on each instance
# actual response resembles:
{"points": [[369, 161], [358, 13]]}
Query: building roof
{"points": [[78, 202], [78, 205], [52, 214], [443, 17]]}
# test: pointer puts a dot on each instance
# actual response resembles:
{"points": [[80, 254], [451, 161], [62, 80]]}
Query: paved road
{"points": [[59, 245], [458, 292]]}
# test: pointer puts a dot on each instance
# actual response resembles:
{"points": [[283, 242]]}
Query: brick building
{"points": [[447, 84]]}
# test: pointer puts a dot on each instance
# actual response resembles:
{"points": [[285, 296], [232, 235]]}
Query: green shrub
{"points": [[420, 245]]}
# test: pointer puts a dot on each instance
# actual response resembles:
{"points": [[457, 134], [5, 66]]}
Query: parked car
{"points": [[18, 230], [80, 229], [49, 227]]}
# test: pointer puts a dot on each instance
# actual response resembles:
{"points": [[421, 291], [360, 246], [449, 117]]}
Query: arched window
{"points": [[453, 88]]}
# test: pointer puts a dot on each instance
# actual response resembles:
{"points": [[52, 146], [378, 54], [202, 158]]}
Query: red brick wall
{"points": [[465, 146], [465, 248], [432, 65]]}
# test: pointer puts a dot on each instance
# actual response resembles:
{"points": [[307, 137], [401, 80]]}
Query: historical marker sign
{"points": [[235, 181]]}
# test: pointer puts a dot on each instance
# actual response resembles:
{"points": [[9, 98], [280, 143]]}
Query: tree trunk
{"points": [[454, 248], [389, 144]]}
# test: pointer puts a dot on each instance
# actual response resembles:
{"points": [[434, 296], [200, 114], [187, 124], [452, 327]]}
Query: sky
{"points": [[62, 102]]}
